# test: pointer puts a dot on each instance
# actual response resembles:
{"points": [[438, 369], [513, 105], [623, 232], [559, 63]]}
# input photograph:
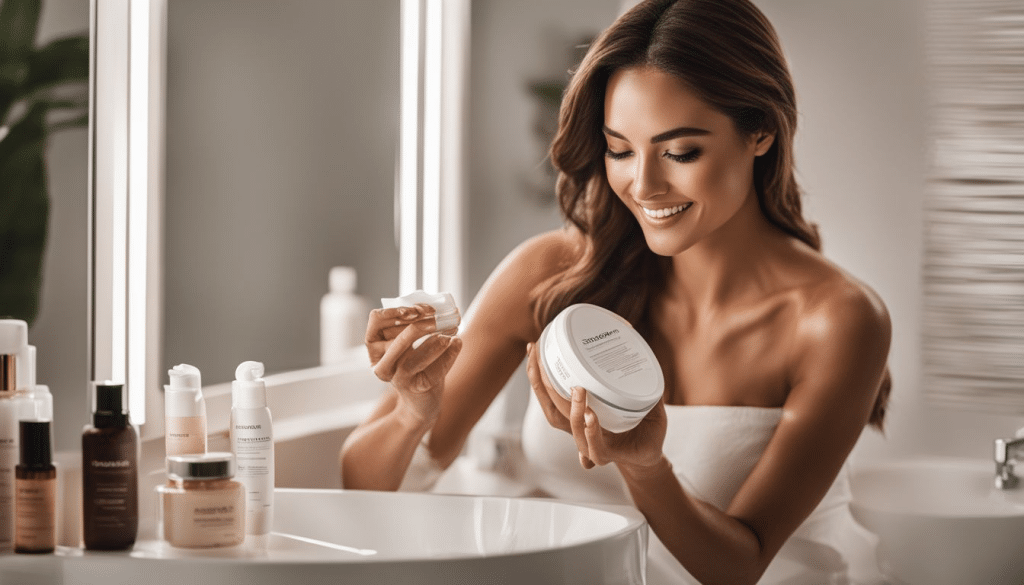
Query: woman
{"points": [[676, 179]]}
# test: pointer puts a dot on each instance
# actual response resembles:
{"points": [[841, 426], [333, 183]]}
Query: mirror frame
{"points": [[126, 178]]}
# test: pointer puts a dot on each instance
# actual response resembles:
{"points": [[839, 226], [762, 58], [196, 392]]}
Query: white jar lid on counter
{"points": [[592, 347]]}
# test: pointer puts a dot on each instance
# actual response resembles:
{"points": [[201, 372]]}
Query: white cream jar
{"points": [[592, 347]]}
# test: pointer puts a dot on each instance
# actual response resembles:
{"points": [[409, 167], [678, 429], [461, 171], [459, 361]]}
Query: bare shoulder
{"points": [[841, 321], [507, 296], [546, 254], [838, 301]]}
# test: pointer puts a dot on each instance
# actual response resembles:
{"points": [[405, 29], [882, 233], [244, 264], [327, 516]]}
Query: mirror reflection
{"points": [[282, 127]]}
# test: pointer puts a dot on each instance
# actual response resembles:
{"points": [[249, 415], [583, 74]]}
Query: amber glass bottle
{"points": [[110, 477], [35, 521]]}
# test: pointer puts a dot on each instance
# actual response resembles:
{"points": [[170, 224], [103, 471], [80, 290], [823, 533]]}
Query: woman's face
{"points": [[677, 163]]}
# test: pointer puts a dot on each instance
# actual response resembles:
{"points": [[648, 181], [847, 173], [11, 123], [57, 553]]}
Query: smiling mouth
{"points": [[666, 211]]}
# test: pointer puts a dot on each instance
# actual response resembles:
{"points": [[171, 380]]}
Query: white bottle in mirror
{"points": [[343, 316], [252, 442]]}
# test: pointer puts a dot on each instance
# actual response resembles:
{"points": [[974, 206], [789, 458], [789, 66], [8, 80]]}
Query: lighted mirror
{"points": [[282, 133], [270, 142]]}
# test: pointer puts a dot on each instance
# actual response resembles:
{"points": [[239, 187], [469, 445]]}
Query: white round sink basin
{"points": [[940, 521], [337, 536]]}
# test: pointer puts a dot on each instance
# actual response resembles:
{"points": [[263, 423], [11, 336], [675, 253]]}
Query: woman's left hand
{"points": [[637, 448]]}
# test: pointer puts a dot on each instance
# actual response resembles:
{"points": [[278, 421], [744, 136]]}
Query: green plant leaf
{"points": [[19, 21], [26, 134], [76, 122], [549, 92], [12, 75], [24, 216], [65, 60], [63, 104]]}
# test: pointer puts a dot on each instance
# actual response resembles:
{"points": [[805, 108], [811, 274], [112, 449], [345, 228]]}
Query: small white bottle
{"points": [[184, 412], [252, 442], [343, 316], [34, 400]]}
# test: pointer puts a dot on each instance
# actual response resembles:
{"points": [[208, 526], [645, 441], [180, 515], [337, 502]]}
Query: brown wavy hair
{"points": [[728, 53]]}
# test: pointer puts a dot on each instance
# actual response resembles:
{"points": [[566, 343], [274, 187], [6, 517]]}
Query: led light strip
{"points": [[137, 208], [408, 165], [432, 145]]}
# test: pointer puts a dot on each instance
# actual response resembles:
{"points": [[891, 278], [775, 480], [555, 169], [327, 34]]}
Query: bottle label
{"points": [[112, 505], [36, 514], [203, 518], [8, 461], [185, 435], [253, 445]]}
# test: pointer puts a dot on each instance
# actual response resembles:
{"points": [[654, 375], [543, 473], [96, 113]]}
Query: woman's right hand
{"points": [[417, 374]]}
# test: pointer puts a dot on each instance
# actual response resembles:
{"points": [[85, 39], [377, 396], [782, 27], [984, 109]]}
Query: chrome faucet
{"points": [[1006, 456]]}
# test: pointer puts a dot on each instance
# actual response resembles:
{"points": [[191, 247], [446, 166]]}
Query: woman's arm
{"points": [[839, 353], [494, 335], [377, 453]]}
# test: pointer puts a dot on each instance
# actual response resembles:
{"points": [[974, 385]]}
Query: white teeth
{"points": [[660, 213]]}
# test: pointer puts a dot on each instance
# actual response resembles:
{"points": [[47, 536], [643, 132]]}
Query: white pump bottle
{"points": [[252, 442]]}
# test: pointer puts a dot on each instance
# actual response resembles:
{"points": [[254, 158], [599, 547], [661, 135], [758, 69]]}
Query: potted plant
{"points": [[42, 90]]}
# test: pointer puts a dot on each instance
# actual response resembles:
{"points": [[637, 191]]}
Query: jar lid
{"points": [[624, 371], [201, 466]]}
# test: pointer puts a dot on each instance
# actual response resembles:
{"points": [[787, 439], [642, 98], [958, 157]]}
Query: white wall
{"points": [[862, 157], [862, 154], [59, 332], [513, 44], [282, 126]]}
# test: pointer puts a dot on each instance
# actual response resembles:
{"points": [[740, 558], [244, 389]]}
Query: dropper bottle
{"points": [[35, 526]]}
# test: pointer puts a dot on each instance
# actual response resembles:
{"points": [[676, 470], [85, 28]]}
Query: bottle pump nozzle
{"points": [[249, 390]]}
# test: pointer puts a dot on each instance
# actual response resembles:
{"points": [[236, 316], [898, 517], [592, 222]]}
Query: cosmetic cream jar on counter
{"points": [[202, 506], [592, 347]]}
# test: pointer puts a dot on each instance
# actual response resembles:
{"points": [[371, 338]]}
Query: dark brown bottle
{"points": [[110, 476]]}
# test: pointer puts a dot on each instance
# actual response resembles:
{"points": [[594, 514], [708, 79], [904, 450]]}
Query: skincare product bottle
{"points": [[110, 476], [201, 506], [252, 441], [35, 529], [184, 412], [343, 316], [13, 341], [34, 400]]}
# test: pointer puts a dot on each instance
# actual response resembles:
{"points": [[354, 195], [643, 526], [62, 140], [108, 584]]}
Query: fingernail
{"points": [[583, 461], [588, 417], [577, 394], [406, 312]]}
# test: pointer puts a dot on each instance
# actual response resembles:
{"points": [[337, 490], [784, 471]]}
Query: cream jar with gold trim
{"points": [[202, 506]]}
